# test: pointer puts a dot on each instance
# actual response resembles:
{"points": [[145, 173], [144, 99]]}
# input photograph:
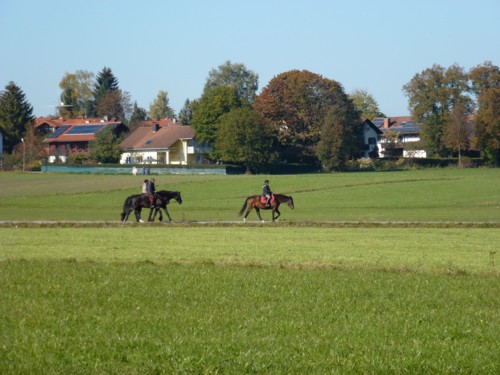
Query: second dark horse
{"points": [[139, 201]]}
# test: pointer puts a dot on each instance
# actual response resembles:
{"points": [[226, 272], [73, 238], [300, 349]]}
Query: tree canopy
{"points": [[77, 95], [432, 94], [295, 103], [208, 110], [488, 124], [366, 104], [15, 115], [341, 135], [243, 81], [106, 147], [139, 114], [160, 107], [106, 100], [244, 137]]}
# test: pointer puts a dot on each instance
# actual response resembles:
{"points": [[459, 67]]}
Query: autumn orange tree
{"points": [[295, 103]]}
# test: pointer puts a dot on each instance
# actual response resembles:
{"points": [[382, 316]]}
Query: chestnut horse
{"points": [[255, 201]]}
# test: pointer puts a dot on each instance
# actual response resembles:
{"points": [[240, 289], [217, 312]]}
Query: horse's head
{"points": [[178, 197], [290, 202]]}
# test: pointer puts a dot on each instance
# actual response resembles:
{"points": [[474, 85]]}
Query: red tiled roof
{"points": [[69, 129], [56, 122]]}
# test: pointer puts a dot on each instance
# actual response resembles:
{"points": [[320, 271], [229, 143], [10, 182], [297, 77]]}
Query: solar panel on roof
{"points": [[61, 129], [84, 129]]}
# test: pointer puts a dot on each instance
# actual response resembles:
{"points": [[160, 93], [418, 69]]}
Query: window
{"points": [[372, 141]]}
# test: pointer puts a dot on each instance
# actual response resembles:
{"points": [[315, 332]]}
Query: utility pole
{"points": [[24, 154]]}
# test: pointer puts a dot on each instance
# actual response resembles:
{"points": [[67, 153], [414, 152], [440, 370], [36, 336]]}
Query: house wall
{"points": [[410, 138], [368, 133], [178, 154], [407, 151]]}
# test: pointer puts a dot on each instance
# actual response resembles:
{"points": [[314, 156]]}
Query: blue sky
{"points": [[377, 46]]}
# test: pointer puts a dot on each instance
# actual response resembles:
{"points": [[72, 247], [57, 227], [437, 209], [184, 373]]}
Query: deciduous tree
{"points": [[237, 76], [432, 95], [245, 138], [484, 77], [77, 95], [366, 104], [111, 105], [340, 137], [487, 124], [295, 103], [106, 147], [160, 107], [458, 132], [208, 110]]}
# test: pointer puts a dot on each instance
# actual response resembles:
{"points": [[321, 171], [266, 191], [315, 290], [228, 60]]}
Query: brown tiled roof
{"points": [[145, 137]]}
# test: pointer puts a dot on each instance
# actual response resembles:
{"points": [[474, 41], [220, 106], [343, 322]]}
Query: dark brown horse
{"points": [[255, 202]]}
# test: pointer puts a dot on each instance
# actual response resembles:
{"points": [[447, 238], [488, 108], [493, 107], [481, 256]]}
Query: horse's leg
{"points": [[248, 212], [257, 209], [151, 209], [137, 212], [249, 209], [166, 212], [278, 212], [125, 218]]}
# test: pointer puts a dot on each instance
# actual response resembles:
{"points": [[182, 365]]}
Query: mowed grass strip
{"points": [[94, 317], [427, 250]]}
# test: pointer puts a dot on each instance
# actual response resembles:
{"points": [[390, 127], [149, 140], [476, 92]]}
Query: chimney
{"points": [[156, 126], [387, 122]]}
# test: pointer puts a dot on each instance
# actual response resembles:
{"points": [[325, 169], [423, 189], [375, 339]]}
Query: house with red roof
{"points": [[67, 137], [163, 141]]}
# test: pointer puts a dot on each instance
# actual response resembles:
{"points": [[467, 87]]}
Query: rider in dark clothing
{"points": [[266, 192], [151, 191]]}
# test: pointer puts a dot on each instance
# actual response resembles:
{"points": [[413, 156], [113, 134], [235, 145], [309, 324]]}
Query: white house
{"points": [[163, 142], [400, 137], [371, 135]]}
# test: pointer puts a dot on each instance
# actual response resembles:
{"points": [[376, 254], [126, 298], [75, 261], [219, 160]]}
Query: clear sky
{"points": [[377, 46]]}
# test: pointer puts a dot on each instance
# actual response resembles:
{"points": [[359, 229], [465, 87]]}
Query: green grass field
{"points": [[391, 272], [418, 195]]}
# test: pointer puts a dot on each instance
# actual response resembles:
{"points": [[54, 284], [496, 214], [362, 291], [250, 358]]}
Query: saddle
{"points": [[263, 199]]}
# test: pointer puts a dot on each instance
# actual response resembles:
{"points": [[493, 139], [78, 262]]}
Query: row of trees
{"points": [[298, 117], [84, 96], [458, 110]]}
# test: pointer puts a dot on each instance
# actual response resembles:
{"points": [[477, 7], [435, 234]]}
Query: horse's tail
{"points": [[245, 204], [125, 206]]}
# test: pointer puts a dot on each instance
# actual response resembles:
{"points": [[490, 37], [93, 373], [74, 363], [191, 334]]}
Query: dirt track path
{"points": [[305, 224]]}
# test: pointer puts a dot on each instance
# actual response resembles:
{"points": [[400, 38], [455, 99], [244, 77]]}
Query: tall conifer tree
{"points": [[15, 115]]}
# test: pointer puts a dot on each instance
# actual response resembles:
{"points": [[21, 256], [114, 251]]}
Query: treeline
{"points": [[298, 117]]}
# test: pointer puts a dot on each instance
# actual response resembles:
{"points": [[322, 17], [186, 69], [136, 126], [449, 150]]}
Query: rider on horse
{"points": [[151, 191], [266, 192]]}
